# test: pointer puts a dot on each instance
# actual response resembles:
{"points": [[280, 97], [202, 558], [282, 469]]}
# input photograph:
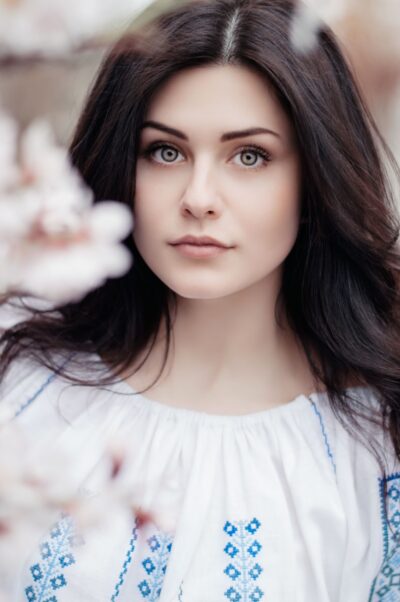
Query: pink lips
{"points": [[199, 246], [199, 251], [199, 240]]}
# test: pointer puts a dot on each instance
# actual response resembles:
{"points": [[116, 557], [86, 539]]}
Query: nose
{"points": [[201, 196]]}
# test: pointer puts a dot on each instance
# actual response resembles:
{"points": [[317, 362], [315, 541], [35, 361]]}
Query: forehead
{"points": [[216, 98]]}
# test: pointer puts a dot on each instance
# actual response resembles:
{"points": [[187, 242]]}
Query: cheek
{"points": [[275, 222]]}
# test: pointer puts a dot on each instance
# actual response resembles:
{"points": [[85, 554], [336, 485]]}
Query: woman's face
{"points": [[201, 171]]}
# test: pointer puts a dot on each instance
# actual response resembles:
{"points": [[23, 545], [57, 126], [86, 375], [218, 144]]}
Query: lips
{"points": [[199, 251], [200, 241]]}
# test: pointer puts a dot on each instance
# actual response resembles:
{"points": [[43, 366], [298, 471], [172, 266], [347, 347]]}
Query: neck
{"points": [[229, 347]]}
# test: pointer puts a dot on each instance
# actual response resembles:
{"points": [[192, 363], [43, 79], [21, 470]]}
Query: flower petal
{"points": [[110, 221]]}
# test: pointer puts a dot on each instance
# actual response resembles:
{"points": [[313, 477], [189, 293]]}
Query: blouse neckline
{"points": [[299, 403]]}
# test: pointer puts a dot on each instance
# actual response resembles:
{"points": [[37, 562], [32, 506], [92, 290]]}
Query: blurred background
{"points": [[54, 89], [370, 34]]}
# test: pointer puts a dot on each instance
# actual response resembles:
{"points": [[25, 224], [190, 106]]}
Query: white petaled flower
{"points": [[55, 243], [309, 17], [53, 27]]}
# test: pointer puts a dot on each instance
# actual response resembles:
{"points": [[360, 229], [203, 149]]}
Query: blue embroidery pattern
{"points": [[386, 585], [242, 548], [27, 403], [48, 574], [155, 565], [44, 386], [127, 561], [324, 433]]}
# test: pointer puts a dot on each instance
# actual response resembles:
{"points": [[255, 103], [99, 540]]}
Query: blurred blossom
{"points": [[37, 489], [53, 27], [309, 16], [55, 243]]}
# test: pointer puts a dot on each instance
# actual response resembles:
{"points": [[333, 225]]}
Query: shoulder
{"points": [[30, 394], [38, 395], [357, 431], [24, 381]]}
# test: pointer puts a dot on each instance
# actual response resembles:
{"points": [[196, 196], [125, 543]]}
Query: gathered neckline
{"points": [[198, 416]]}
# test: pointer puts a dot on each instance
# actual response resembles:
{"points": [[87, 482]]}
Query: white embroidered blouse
{"points": [[281, 505]]}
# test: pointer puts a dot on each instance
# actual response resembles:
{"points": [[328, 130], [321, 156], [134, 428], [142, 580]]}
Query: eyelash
{"points": [[261, 152]]}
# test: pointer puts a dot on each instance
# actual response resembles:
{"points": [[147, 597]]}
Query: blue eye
{"points": [[168, 153], [250, 154]]}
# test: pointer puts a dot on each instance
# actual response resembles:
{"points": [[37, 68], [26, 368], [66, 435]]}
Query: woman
{"points": [[269, 433]]}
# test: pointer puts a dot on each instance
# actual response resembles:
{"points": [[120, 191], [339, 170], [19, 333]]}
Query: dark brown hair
{"points": [[340, 282]]}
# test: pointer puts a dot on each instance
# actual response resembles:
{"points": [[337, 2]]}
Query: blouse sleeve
{"points": [[372, 545]]}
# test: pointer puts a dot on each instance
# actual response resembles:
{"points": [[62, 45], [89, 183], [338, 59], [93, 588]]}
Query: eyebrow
{"points": [[224, 138]]}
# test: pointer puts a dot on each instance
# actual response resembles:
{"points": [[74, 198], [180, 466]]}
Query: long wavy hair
{"points": [[340, 284]]}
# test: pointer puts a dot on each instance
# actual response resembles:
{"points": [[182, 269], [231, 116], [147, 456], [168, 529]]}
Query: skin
{"points": [[229, 355]]}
